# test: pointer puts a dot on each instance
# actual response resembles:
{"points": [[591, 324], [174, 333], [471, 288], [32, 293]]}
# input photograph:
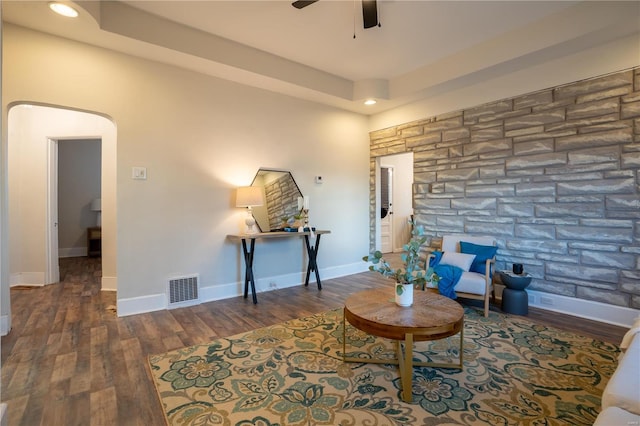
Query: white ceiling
{"points": [[421, 47]]}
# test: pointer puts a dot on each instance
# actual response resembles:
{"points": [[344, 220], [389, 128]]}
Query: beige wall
{"points": [[199, 138], [79, 170]]}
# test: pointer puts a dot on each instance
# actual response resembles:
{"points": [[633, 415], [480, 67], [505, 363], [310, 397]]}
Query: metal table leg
{"points": [[312, 265], [248, 271]]}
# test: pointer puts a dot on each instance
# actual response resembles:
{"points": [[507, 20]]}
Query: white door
{"points": [[386, 209], [53, 268]]}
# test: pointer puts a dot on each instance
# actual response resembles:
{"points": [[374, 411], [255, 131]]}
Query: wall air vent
{"points": [[183, 291]]}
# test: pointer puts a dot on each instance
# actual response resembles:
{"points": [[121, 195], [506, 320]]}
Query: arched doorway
{"points": [[33, 132]]}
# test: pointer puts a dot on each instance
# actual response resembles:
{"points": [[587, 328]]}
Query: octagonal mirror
{"points": [[280, 193]]}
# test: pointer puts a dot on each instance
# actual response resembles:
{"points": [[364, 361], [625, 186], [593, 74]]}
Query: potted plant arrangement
{"points": [[411, 274], [432, 278], [284, 222], [297, 219]]}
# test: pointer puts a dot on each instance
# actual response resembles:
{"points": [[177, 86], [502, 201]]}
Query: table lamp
{"points": [[249, 196], [96, 206]]}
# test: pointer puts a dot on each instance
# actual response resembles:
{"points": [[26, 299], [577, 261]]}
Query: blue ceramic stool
{"points": [[515, 299]]}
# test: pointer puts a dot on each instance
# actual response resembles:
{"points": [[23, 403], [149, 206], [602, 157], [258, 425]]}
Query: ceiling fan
{"points": [[369, 10]]}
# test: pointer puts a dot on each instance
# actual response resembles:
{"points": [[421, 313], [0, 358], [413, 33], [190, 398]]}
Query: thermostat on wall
{"points": [[318, 179]]}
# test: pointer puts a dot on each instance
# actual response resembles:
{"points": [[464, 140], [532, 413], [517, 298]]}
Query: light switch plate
{"points": [[139, 173]]}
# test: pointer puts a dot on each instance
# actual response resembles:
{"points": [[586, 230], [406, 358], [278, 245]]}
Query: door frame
{"points": [[55, 121], [390, 183], [402, 206], [52, 273]]}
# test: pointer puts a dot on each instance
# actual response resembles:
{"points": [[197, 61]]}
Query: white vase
{"points": [[406, 297]]}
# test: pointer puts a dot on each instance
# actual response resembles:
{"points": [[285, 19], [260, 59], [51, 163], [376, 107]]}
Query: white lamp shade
{"points": [[249, 196], [96, 205]]}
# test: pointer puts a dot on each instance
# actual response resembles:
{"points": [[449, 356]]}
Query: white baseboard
{"points": [[597, 311], [141, 305], [616, 315], [156, 302], [4, 419], [27, 278], [212, 293], [72, 252], [5, 325], [342, 270], [109, 284], [224, 291]]}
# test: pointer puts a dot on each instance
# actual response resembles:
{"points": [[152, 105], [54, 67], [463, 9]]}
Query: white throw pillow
{"points": [[461, 260]]}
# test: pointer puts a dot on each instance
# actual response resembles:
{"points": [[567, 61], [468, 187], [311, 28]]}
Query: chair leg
{"points": [[486, 301]]}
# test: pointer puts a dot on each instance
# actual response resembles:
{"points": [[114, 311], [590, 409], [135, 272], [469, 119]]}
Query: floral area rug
{"points": [[515, 373]]}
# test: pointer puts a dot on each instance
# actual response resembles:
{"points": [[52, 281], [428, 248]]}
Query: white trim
{"points": [[52, 273], [73, 252], [4, 419], [139, 305], [597, 311], [27, 278], [341, 271], [226, 291], [390, 247], [602, 312], [377, 237], [109, 284], [5, 325]]}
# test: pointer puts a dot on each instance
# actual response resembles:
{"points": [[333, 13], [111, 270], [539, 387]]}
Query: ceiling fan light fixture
{"points": [[370, 13], [63, 9], [370, 102], [299, 4]]}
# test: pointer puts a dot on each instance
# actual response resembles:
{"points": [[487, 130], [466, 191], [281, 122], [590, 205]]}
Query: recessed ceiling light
{"points": [[370, 102], [63, 9]]}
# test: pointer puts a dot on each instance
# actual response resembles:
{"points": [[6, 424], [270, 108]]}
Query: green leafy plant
{"points": [[411, 273], [285, 221], [432, 277]]}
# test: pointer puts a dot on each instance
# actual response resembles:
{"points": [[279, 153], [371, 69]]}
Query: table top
{"points": [[431, 316], [515, 281], [279, 234], [514, 275]]}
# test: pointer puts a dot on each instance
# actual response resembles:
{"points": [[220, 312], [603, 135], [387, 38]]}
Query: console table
{"points": [[312, 254]]}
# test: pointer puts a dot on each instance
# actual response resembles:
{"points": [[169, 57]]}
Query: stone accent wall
{"points": [[553, 175]]}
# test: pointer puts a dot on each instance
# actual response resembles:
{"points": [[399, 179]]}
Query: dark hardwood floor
{"points": [[69, 360]]}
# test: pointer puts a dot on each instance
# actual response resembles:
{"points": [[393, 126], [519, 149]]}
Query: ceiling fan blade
{"points": [[299, 4], [369, 13]]}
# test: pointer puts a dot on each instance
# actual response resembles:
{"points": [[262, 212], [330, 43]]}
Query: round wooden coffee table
{"points": [[431, 317]]}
